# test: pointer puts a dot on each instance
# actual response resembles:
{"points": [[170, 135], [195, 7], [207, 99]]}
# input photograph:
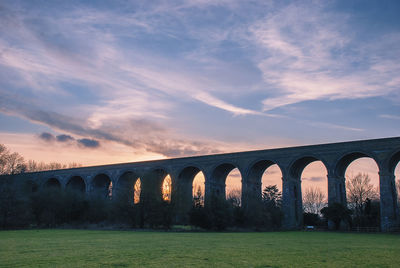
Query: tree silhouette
{"points": [[313, 200], [359, 190]]}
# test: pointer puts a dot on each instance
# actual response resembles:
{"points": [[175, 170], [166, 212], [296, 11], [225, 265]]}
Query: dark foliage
{"points": [[198, 216], [312, 219], [368, 215], [218, 215], [221, 214], [337, 213], [154, 213], [13, 210], [266, 215], [272, 195], [55, 207]]}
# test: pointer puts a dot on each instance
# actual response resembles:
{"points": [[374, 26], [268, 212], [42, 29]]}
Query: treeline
{"points": [[14, 163], [53, 207], [33, 166]]}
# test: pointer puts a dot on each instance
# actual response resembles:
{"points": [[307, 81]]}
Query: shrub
{"points": [[337, 213], [217, 215]]}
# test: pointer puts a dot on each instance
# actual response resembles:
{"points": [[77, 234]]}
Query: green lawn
{"points": [[81, 248]]}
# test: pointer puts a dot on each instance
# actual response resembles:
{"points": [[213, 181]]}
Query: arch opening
{"points": [[157, 185], [307, 169], [102, 186], [227, 183], [314, 189], [364, 166], [233, 187], [128, 188], [198, 189], [192, 186], [53, 183], [362, 191], [271, 176], [76, 183], [394, 166], [271, 185], [264, 182]]}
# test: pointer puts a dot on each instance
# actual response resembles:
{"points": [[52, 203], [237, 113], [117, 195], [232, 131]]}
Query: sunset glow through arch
{"points": [[137, 188], [167, 188]]}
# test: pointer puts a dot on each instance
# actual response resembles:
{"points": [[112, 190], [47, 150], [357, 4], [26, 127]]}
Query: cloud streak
{"points": [[88, 143], [390, 116], [64, 138], [140, 134], [314, 179], [309, 55], [67, 139], [48, 137]]}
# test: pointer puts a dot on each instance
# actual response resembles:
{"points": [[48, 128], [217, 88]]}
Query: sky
{"points": [[101, 82]]}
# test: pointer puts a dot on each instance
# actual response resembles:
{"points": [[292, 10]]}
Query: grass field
{"points": [[81, 248]]}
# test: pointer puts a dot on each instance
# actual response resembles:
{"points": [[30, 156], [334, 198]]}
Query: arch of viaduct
{"points": [[335, 156]]}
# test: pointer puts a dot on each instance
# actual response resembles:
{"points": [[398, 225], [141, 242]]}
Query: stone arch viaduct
{"points": [[291, 161]]}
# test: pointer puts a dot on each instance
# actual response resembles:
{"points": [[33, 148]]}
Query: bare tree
{"points": [[11, 163], [234, 197], [359, 190], [33, 166], [4, 152], [74, 165], [2, 149], [16, 164], [313, 200], [55, 165]]}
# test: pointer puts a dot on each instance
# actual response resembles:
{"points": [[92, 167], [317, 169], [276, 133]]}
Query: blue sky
{"points": [[134, 80]]}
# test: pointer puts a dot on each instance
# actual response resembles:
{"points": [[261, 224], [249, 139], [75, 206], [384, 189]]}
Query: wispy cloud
{"points": [[206, 98], [59, 50], [334, 126], [309, 54], [390, 116], [314, 179]]}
